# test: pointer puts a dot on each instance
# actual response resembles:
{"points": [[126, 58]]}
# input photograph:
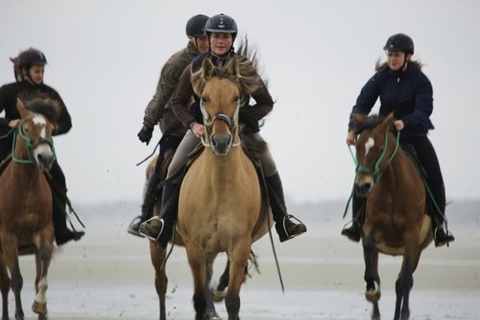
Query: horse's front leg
{"points": [[238, 261], [372, 279], [404, 282], [4, 287], [40, 303]]}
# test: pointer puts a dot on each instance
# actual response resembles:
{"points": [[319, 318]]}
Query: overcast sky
{"points": [[105, 57]]}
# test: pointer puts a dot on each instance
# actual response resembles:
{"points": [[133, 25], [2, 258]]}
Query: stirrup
{"points": [[134, 226], [448, 237], [156, 239], [299, 224]]}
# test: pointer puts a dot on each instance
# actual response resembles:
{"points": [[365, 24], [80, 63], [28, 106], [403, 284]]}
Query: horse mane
{"points": [[363, 122], [44, 105]]}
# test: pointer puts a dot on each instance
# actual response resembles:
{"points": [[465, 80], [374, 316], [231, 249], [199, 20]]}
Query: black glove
{"points": [[145, 134]]}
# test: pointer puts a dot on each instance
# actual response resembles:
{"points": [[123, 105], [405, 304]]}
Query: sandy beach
{"points": [[107, 275]]}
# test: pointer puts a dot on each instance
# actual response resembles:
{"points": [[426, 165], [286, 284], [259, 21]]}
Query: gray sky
{"points": [[105, 58]]}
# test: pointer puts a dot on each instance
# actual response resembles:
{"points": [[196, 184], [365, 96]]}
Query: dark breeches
{"points": [[428, 158]]}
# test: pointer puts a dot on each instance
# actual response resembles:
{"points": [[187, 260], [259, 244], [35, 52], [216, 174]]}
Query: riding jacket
{"points": [[188, 114], [408, 94], [25, 90], [159, 109]]}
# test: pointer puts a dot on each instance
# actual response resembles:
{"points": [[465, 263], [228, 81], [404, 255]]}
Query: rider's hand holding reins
{"points": [[198, 129], [351, 138]]}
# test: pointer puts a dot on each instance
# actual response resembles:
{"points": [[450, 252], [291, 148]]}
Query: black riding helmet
{"points": [[221, 23], [399, 43], [30, 57], [196, 26]]}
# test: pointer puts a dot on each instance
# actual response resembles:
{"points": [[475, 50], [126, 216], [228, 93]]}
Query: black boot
{"points": [[354, 232], [161, 229], [149, 201], [58, 188], [286, 228], [62, 233], [437, 207]]}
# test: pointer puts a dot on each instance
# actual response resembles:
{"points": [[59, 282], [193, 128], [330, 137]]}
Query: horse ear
{"points": [[21, 108], [233, 68], [388, 122], [207, 68]]}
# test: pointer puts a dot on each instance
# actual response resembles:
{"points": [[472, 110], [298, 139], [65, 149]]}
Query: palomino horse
{"points": [[220, 201], [26, 205], [396, 222]]}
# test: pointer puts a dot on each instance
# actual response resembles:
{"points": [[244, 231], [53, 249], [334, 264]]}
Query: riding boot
{"points": [[437, 213], [354, 232], [149, 200], [161, 229], [62, 233], [286, 228]]}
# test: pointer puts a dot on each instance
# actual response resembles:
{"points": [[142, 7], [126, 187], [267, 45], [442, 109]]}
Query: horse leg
{"points": [[211, 312], [198, 265], [238, 261], [218, 290], [4, 287], [157, 256], [371, 276], [40, 302], [404, 282], [10, 252]]}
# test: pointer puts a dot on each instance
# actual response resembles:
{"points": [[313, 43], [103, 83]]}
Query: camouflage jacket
{"points": [[159, 109]]}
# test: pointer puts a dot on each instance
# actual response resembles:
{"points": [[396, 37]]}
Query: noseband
{"points": [[208, 123], [30, 145]]}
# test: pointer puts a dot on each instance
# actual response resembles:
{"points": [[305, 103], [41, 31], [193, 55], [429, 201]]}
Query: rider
{"points": [[405, 90], [32, 63], [159, 111], [221, 32]]}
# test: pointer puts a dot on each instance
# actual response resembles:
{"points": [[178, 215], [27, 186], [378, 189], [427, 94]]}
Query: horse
{"points": [[395, 213], [220, 202], [26, 205]]}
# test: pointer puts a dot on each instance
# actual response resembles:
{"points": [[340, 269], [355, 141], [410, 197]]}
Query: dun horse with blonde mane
{"points": [[220, 201], [26, 205], [396, 222]]}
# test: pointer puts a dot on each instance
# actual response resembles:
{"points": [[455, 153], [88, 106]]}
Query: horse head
{"points": [[34, 141], [219, 95], [375, 149]]}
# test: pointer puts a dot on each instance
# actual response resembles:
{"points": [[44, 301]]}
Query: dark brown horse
{"points": [[396, 222], [26, 206]]}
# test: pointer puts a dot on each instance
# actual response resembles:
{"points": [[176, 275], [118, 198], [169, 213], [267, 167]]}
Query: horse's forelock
{"points": [[369, 122], [44, 106]]}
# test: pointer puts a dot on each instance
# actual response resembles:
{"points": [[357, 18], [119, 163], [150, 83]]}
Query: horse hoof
{"points": [[372, 296], [39, 308]]}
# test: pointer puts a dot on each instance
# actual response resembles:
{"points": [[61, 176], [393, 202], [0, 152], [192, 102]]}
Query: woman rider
{"points": [[405, 90], [221, 32], [31, 63]]}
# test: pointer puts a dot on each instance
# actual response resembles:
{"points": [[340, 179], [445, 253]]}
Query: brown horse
{"points": [[396, 222], [220, 201], [26, 206]]}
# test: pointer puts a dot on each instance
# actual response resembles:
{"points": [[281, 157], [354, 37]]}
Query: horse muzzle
{"points": [[221, 143], [44, 157], [363, 185]]}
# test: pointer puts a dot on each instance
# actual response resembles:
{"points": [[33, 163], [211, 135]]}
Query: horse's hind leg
{"points": [[218, 290], [157, 256], [40, 302], [4, 287], [371, 276]]}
